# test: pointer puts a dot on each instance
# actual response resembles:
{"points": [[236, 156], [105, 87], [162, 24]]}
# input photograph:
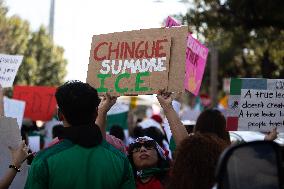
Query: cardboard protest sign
{"points": [[10, 136], [40, 101], [171, 22], [9, 65], [14, 109], [130, 65], [256, 105], [137, 62], [196, 57]]}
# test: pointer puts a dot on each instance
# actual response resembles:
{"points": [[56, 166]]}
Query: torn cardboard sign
{"points": [[138, 62]]}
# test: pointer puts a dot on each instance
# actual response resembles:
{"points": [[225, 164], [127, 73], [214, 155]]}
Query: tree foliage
{"points": [[249, 35], [43, 62]]}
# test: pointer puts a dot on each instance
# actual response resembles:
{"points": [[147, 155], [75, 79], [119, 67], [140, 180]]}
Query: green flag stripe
{"points": [[117, 119], [235, 87]]}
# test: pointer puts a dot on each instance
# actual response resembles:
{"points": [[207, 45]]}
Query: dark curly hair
{"points": [[195, 163], [212, 121], [78, 102]]}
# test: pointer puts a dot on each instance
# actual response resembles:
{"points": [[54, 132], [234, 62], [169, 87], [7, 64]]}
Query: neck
{"points": [[86, 136], [65, 123]]}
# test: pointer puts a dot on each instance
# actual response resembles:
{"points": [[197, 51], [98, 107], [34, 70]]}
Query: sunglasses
{"points": [[136, 147]]}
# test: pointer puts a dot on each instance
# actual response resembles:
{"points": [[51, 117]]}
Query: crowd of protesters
{"points": [[83, 155]]}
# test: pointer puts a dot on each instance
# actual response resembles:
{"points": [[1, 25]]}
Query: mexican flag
{"points": [[117, 115], [256, 104]]}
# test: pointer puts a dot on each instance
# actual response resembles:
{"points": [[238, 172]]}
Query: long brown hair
{"points": [[195, 163]]}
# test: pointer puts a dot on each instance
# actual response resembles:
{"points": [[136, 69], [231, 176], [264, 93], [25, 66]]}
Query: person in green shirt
{"points": [[82, 158]]}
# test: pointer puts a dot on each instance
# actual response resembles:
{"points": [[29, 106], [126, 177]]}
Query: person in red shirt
{"points": [[149, 163]]}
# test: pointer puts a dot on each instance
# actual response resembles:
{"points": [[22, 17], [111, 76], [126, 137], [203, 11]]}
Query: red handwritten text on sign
{"points": [[124, 50], [40, 101]]}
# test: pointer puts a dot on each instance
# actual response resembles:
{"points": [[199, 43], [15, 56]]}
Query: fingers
{"points": [[107, 95], [164, 97], [163, 92], [27, 156], [26, 148], [160, 91], [110, 98], [113, 98], [167, 94], [275, 131], [22, 144], [272, 135], [103, 96]]}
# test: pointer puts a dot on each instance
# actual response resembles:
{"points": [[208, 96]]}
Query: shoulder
{"points": [[120, 158], [52, 150], [39, 172], [112, 150], [117, 143]]}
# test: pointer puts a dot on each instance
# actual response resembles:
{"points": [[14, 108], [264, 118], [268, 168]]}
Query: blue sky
{"points": [[77, 21]]}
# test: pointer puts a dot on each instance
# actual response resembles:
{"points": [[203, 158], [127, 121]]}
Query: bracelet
{"points": [[14, 167]]}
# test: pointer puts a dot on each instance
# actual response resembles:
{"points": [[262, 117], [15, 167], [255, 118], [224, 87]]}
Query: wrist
{"points": [[14, 167], [18, 165], [168, 108], [102, 111]]}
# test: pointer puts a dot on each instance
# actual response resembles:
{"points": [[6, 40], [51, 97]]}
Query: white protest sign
{"points": [[34, 143], [256, 105], [261, 109], [14, 109], [9, 65], [10, 136]]}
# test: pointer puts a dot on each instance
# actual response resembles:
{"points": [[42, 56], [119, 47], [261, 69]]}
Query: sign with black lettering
{"points": [[256, 105], [9, 65], [15, 109]]}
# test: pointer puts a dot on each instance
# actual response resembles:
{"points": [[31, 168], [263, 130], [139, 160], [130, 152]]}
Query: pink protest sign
{"points": [[196, 56], [171, 22]]}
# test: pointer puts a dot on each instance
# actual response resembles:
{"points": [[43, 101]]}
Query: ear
{"points": [[60, 115]]}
